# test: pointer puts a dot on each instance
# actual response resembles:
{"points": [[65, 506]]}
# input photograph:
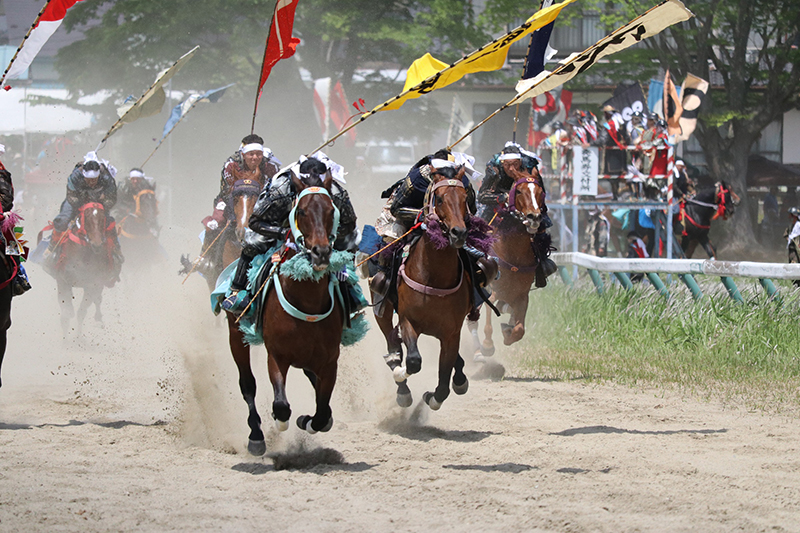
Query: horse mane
{"points": [[448, 172], [706, 194]]}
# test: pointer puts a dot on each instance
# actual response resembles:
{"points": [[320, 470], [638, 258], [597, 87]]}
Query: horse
{"points": [[514, 228], [433, 292], [86, 260], [693, 221], [303, 319], [138, 231]]}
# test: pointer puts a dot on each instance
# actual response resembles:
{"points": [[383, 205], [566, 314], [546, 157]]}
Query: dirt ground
{"points": [[140, 426]]}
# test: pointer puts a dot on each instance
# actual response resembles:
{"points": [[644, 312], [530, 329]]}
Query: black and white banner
{"points": [[585, 168]]}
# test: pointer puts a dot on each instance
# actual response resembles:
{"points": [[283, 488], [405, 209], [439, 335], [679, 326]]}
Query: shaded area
{"points": [[302, 461], [489, 370], [429, 433], [14, 427], [590, 430], [513, 468], [569, 470], [116, 424]]}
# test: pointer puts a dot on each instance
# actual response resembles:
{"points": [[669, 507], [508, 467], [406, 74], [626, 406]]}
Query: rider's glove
{"points": [[212, 224], [220, 205]]}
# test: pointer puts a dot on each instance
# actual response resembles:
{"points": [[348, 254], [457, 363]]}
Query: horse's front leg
{"points": [[65, 301], [281, 411], [487, 347], [448, 355], [708, 247], [323, 384], [98, 303], [394, 348], [413, 357], [517, 328], [247, 385]]}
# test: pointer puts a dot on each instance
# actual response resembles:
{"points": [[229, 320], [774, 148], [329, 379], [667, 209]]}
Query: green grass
{"points": [[745, 353]]}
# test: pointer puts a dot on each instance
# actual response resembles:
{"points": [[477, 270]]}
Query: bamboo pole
{"points": [[28, 34]]}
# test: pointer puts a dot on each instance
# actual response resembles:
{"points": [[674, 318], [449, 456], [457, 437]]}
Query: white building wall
{"points": [[791, 137]]}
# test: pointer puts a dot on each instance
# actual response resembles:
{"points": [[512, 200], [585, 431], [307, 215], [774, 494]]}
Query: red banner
{"points": [[280, 43]]}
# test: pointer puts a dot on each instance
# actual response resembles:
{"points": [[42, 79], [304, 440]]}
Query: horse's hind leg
{"points": [[517, 330], [413, 357], [460, 381], [708, 247], [448, 356], [281, 411], [487, 347], [65, 301], [247, 385], [322, 419], [394, 348]]}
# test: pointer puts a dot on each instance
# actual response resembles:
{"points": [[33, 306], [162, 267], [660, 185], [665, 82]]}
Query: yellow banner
{"points": [[427, 73]]}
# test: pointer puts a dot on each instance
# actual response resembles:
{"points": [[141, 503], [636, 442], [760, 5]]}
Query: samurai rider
{"points": [[404, 208], [493, 197], [252, 161], [20, 283], [793, 238], [268, 224], [90, 181]]}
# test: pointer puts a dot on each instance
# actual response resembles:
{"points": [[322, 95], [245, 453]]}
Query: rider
{"points": [[90, 181], [20, 284], [493, 196], [252, 161], [133, 185], [269, 221]]}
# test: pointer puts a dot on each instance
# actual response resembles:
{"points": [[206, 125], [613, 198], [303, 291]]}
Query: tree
{"points": [[744, 47]]}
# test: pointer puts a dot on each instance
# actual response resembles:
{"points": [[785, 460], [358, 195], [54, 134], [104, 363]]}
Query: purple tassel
{"points": [[479, 236], [436, 234], [10, 221]]}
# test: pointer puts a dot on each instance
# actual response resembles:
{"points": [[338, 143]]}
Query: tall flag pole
{"points": [[427, 73], [280, 45], [538, 42], [47, 22], [652, 22]]}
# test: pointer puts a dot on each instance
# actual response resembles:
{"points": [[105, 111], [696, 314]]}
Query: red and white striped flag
{"points": [[280, 43], [51, 17]]}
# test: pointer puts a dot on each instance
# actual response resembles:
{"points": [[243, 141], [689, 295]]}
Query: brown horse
{"points": [[514, 229], [303, 319], [693, 221], [433, 293], [138, 231], [86, 260]]}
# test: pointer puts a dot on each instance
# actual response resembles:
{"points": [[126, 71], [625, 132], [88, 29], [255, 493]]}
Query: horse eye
{"points": [[439, 200], [301, 212]]}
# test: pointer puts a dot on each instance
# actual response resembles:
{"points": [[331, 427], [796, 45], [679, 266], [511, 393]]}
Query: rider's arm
{"points": [[488, 193], [110, 193], [348, 233], [272, 208]]}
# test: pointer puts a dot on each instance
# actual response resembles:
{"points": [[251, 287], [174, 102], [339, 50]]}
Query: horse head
{"points": [[314, 219], [146, 206], [243, 197], [447, 203], [92, 225], [726, 200], [526, 199]]}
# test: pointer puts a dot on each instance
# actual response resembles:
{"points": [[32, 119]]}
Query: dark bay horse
{"points": [[86, 260], [303, 319], [514, 229], [138, 231], [693, 221], [433, 293]]}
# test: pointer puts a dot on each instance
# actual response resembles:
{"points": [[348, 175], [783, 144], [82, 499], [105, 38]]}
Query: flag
{"points": [[322, 100], [655, 97], [180, 110], [153, 98], [627, 100], [340, 112], [460, 123], [672, 106], [651, 23], [693, 91], [539, 51], [547, 109], [51, 17], [280, 43], [427, 73]]}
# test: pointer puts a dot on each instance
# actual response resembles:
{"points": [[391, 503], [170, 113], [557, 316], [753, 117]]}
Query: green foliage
{"points": [[716, 346]]}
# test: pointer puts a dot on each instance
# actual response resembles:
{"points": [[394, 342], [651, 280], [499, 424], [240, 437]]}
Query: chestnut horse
{"points": [[693, 221], [303, 319], [433, 293], [86, 260], [138, 231], [514, 228]]}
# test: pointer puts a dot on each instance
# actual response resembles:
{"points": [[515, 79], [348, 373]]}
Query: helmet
{"points": [[557, 126], [661, 123], [637, 114], [794, 211]]}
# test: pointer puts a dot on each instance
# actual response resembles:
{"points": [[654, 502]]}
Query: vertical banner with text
{"points": [[586, 166]]}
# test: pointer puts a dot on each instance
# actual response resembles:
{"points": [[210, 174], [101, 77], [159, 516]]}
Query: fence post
{"points": [[565, 277], [658, 284], [770, 288], [690, 282], [597, 280], [733, 291], [624, 279]]}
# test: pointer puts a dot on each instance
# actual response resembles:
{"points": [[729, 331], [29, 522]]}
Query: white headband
{"points": [[442, 163], [337, 170], [251, 147], [2, 149], [91, 173], [506, 157], [136, 174]]}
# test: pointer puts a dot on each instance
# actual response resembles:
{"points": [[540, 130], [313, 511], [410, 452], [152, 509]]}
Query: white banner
{"points": [[651, 23], [460, 124], [585, 168]]}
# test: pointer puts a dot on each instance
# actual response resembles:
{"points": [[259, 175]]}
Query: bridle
{"points": [[80, 236], [137, 199], [298, 236], [512, 197], [430, 205]]}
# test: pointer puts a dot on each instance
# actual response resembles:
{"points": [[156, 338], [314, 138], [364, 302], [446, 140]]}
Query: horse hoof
{"points": [[304, 423], [328, 426], [413, 364], [404, 400], [257, 447], [487, 350], [461, 389], [429, 399], [281, 425], [399, 374]]}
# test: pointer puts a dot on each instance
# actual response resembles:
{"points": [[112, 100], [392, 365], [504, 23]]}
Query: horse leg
{"points": [[688, 244], [394, 348], [5, 311], [472, 326], [83, 308], [98, 302], [705, 242], [487, 347], [460, 381], [247, 385], [413, 357], [281, 411], [517, 330], [322, 419], [448, 355]]}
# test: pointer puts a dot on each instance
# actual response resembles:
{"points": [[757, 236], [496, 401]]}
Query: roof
{"points": [[763, 172]]}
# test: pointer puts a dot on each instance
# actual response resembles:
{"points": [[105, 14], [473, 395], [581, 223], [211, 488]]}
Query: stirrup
{"points": [[236, 302]]}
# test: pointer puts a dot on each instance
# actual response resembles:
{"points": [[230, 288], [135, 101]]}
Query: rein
{"points": [[75, 236], [137, 198]]}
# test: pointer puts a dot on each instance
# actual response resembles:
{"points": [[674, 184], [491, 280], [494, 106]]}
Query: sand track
{"points": [[142, 428]]}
